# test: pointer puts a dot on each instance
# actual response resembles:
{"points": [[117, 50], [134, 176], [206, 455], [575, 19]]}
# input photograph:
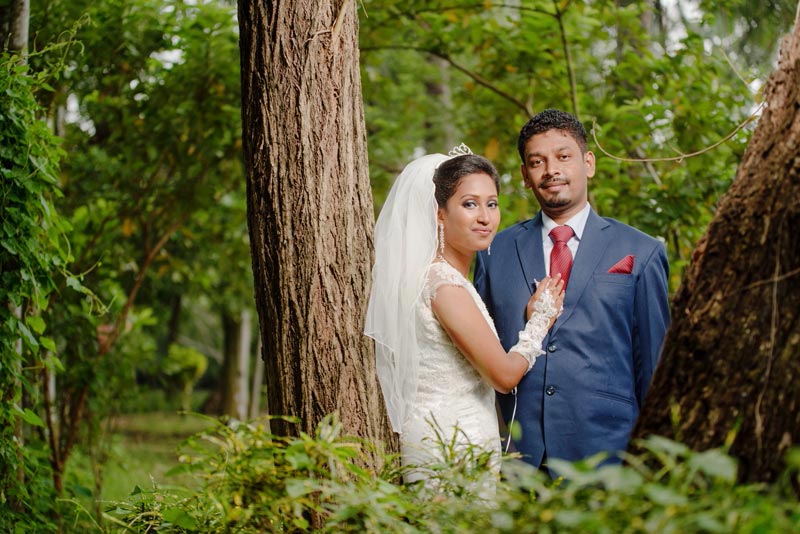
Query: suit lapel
{"points": [[530, 251], [592, 246]]}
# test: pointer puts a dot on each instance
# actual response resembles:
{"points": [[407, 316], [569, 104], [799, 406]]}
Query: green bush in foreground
{"points": [[254, 481]]}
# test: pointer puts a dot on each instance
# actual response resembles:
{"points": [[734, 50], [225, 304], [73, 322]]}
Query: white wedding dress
{"points": [[452, 402]]}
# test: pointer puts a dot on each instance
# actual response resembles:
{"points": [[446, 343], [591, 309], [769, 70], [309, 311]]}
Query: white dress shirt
{"points": [[577, 223]]}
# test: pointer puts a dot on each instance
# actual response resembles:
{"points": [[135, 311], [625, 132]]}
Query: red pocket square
{"points": [[623, 266]]}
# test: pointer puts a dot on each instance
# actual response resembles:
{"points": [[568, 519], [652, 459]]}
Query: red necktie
{"points": [[561, 256]]}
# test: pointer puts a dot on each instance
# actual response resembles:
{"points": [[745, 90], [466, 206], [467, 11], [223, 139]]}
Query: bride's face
{"points": [[471, 215]]}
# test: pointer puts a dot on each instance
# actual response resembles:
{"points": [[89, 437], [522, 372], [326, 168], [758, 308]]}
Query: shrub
{"points": [[254, 481]]}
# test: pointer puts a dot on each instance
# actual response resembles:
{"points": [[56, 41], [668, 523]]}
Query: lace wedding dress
{"points": [[453, 403]]}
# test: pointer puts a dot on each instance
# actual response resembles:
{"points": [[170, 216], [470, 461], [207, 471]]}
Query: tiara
{"points": [[460, 150]]}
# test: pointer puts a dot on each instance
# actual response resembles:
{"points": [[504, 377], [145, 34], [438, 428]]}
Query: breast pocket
{"points": [[615, 279], [614, 291]]}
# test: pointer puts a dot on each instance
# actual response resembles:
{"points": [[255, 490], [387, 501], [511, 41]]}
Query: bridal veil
{"points": [[405, 245]]}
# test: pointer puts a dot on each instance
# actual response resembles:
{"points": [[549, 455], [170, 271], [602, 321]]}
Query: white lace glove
{"points": [[530, 339]]}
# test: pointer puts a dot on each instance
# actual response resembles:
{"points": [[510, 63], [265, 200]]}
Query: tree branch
{"points": [[475, 77], [573, 87]]}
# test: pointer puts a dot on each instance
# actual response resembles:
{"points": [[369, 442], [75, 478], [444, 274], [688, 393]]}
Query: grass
{"points": [[143, 448]]}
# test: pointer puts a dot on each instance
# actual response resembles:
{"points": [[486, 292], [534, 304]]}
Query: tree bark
{"points": [[14, 24], [310, 211], [730, 369]]}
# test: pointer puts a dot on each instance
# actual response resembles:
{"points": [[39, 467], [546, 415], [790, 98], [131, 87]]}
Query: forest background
{"points": [[124, 242]]}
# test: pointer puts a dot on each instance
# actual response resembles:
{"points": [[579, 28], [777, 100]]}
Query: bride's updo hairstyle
{"points": [[450, 172]]}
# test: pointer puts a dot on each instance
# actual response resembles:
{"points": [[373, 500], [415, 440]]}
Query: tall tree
{"points": [[730, 371], [310, 210], [155, 149], [14, 23]]}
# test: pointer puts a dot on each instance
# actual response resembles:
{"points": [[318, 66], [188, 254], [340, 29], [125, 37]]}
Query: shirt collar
{"points": [[577, 222]]}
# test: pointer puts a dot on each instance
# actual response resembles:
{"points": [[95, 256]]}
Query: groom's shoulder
{"points": [[630, 233], [515, 230]]}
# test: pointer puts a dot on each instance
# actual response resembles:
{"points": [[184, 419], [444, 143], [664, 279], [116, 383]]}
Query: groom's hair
{"points": [[450, 172], [552, 119]]}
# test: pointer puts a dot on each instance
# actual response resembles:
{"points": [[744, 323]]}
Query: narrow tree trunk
{"points": [[310, 210], [174, 322], [731, 362], [229, 377], [14, 23], [243, 365], [256, 391]]}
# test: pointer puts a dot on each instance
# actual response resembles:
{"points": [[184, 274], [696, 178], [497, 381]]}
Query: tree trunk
{"points": [[243, 364], [310, 211], [730, 370], [229, 376], [174, 322], [14, 23], [258, 384]]}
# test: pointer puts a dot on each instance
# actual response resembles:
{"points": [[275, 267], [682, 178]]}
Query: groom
{"points": [[584, 394]]}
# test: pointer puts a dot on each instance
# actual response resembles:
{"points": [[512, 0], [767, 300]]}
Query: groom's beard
{"points": [[557, 201]]}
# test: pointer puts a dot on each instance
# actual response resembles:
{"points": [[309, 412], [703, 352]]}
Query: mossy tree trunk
{"points": [[310, 211], [730, 370]]}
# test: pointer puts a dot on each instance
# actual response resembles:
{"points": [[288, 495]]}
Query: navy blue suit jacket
{"points": [[584, 394]]}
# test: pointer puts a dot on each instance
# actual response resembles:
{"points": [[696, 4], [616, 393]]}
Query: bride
{"points": [[438, 355]]}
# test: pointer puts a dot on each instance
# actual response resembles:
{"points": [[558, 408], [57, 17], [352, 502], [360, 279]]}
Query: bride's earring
{"points": [[441, 240]]}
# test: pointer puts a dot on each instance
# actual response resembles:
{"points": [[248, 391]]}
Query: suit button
{"points": [[552, 347], [550, 390]]}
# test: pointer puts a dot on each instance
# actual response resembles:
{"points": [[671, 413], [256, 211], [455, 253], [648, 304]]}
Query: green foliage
{"points": [[437, 73], [253, 481], [33, 253], [153, 195], [183, 367], [153, 180], [151, 155]]}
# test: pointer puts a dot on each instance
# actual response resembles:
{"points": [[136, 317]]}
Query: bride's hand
{"points": [[556, 287]]}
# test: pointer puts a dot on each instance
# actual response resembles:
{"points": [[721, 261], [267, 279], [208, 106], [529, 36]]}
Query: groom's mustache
{"points": [[553, 181]]}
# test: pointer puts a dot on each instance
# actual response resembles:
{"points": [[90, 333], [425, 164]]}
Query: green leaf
{"points": [[82, 491], [9, 246], [714, 463], [664, 496], [31, 418], [48, 344], [295, 487], [28, 337], [74, 283], [35, 322], [178, 517]]}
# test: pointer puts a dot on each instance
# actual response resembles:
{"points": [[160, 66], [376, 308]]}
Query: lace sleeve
{"points": [[530, 339], [441, 274]]}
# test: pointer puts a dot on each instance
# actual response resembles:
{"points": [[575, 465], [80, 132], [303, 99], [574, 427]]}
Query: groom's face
{"points": [[557, 172]]}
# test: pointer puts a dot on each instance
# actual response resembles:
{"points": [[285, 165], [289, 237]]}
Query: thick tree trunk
{"points": [[730, 369], [310, 210]]}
